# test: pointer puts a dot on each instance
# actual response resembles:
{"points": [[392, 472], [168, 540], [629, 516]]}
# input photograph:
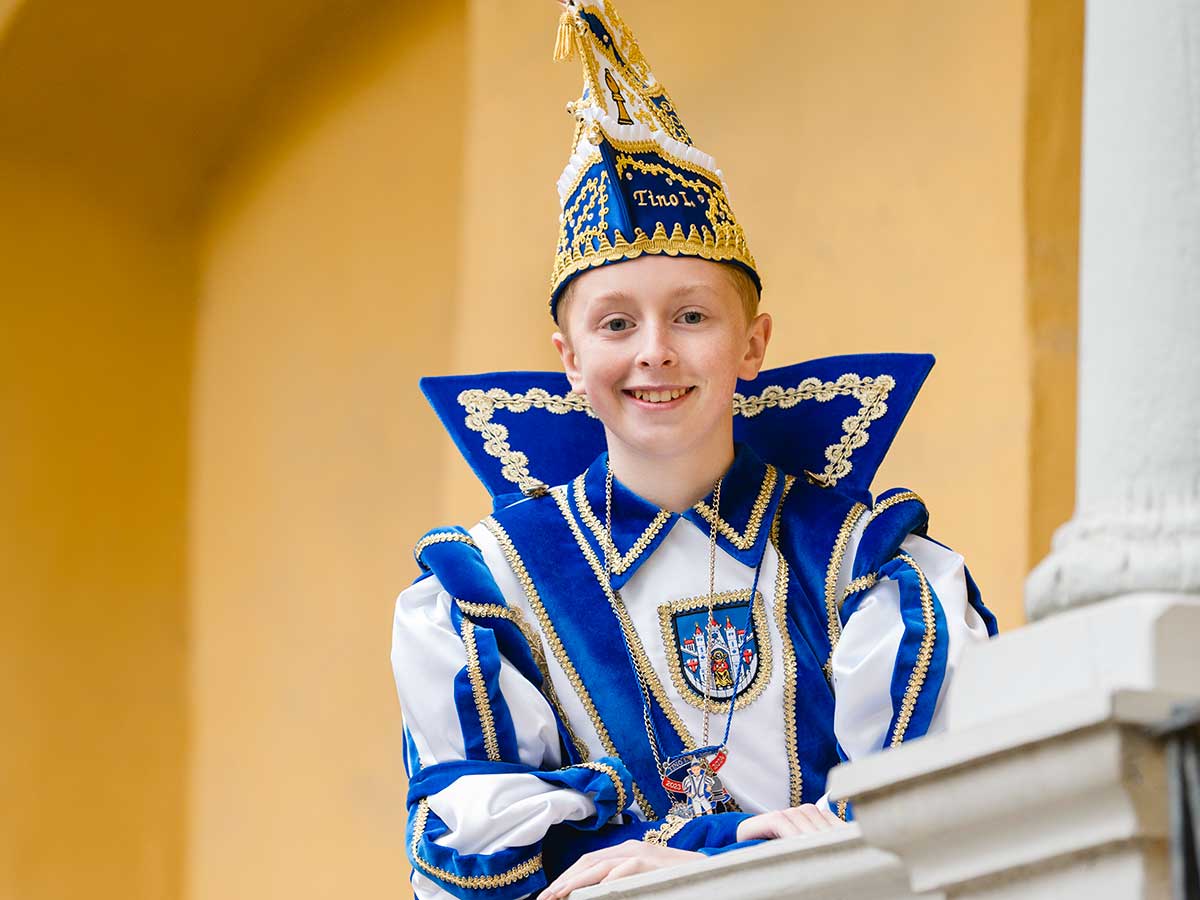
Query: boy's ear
{"points": [[570, 366], [758, 335]]}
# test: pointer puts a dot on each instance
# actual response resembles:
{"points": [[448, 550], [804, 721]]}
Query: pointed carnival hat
{"points": [[634, 183]]}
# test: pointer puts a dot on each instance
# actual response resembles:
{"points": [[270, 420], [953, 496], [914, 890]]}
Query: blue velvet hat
{"points": [[830, 420], [634, 183]]}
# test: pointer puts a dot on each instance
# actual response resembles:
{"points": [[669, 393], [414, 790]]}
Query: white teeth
{"points": [[660, 396]]}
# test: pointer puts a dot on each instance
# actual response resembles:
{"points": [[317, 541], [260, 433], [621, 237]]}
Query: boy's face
{"points": [[657, 344]]}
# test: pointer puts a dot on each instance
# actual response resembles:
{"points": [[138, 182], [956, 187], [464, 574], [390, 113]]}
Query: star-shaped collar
{"points": [[750, 492]]}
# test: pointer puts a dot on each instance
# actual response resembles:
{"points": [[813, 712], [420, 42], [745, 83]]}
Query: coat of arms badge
{"points": [[730, 648]]}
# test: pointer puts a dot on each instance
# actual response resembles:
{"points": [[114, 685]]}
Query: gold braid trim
{"points": [[795, 775], [473, 882], [479, 690], [871, 393], [641, 661], [560, 654], [442, 537], [841, 809], [619, 563], [481, 405], [695, 243], [924, 653], [746, 540], [671, 826], [514, 615], [833, 573], [862, 583], [606, 769], [833, 603], [894, 500]]}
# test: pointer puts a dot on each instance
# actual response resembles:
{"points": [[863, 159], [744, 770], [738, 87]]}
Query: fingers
{"points": [[615, 862], [806, 819], [815, 818], [628, 867], [576, 877]]}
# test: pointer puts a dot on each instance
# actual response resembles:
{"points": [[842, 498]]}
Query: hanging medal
{"points": [[694, 787]]}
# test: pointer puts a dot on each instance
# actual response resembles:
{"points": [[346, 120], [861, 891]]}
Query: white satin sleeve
{"points": [[484, 812], [865, 656]]}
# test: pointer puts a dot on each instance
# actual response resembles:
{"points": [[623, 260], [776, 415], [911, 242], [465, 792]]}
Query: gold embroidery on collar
{"points": [[924, 653], [606, 769], [872, 393], [795, 775], [483, 706], [514, 615], [560, 654], [441, 537], [762, 636], [619, 563], [481, 406], [474, 882], [745, 540]]}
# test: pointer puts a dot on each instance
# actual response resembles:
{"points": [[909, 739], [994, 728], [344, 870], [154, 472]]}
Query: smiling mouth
{"points": [[664, 395]]}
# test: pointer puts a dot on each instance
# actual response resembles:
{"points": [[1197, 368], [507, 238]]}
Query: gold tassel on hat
{"points": [[564, 40]]}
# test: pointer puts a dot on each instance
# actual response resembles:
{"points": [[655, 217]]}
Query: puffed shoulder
{"points": [[437, 537]]}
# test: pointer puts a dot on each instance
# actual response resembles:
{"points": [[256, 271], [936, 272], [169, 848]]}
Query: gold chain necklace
{"points": [[690, 777]]}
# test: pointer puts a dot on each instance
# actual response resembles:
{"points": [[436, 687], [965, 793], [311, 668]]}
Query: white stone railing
{"points": [[1047, 783], [817, 867]]}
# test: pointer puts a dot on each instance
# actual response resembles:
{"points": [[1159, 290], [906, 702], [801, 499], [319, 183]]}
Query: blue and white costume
{"points": [[525, 740], [526, 744]]}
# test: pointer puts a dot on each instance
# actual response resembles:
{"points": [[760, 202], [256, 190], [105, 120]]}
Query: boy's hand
{"points": [[806, 819], [615, 862]]}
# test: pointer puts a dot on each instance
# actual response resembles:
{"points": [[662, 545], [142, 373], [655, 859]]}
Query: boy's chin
{"points": [[661, 441]]}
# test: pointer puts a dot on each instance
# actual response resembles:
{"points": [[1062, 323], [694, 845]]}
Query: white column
{"points": [[1137, 520]]}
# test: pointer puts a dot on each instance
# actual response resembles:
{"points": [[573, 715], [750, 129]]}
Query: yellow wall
{"points": [[327, 271], [95, 356], [1053, 127], [216, 455]]}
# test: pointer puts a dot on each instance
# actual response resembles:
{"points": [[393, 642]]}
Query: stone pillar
{"points": [[1137, 519]]}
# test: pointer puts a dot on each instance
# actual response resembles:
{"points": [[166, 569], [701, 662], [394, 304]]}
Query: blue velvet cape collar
{"points": [[750, 492]]}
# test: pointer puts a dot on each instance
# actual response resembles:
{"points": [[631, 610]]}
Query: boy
{"points": [[665, 653]]}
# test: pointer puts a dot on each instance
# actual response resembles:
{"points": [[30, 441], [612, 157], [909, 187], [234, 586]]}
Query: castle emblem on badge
{"points": [[731, 648]]}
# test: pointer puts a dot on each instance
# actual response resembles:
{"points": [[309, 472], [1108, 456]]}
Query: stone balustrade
{"points": [[1047, 784]]}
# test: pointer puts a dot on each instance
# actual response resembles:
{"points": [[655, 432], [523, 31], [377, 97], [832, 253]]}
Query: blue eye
{"points": [[616, 324], [692, 317]]}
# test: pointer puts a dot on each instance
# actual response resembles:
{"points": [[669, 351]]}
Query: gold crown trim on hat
{"points": [[642, 120]]}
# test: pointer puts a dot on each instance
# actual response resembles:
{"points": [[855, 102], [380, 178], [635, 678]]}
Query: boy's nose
{"points": [[656, 350]]}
